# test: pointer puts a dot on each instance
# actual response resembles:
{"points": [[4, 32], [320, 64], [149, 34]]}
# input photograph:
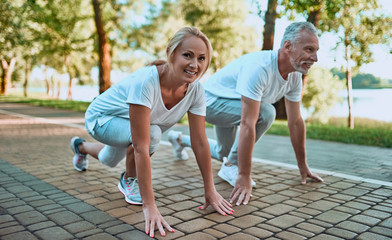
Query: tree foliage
{"points": [[320, 93]]}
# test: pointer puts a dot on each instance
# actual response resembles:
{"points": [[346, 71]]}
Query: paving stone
{"points": [[19, 236], [290, 236], [119, 229], [180, 206], [241, 236], [41, 225], [187, 215], [80, 207], [65, 217], [80, 226], [197, 236], [322, 205], [372, 236], [49, 233], [285, 221], [30, 217], [382, 231], [278, 209], [97, 217], [301, 232], [325, 237], [376, 214], [6, 218], [333, 216], [194, 225], [341, 233], [88, 233], [11, 229], [246, 221], [101, 236], [215, 233], [371, 221], [353, 226], [258, 232], [387, 223], [135, 235], [229, 229]]}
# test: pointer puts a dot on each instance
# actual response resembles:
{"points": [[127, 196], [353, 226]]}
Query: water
{"points": [[368, 103]]}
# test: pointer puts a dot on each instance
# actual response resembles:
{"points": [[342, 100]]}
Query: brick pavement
{"points": [[42, 197]]}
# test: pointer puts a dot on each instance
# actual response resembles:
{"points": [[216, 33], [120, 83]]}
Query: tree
{"points": [[63, 29], [320, 93], [104, 49], [269, 26], [359, 26], [11, 37]]}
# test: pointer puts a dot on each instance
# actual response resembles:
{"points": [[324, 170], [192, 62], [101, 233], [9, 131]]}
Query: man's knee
{"points": [[267, 113]]}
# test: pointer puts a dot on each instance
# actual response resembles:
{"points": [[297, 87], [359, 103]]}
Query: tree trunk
{"points": [[8, 69], [47, 82], [104, 50], [268, 44], [314, 17], [68, 67], [269, 26], [27, 76], [349, 87]]}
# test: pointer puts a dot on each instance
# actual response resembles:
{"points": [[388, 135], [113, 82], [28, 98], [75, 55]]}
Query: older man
{"points": [[242, 93]]}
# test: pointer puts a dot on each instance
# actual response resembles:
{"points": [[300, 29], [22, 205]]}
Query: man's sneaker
{"points": [[178, 150], [230, 173], [79, 160], [130, 188]]}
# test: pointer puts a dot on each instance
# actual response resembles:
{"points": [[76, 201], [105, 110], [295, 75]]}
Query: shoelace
{"points": [[81, 159], [131, 186]]}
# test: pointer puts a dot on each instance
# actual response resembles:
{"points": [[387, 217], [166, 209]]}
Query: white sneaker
{"points": [[230, 173], [178, 150]]}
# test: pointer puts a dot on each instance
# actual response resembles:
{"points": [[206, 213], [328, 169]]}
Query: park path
{"points": [[42, 197]]}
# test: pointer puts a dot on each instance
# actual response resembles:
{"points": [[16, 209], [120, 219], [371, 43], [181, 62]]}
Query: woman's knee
{"points": [[111, 156]]}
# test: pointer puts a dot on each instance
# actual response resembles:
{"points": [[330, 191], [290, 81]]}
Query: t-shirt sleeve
{"points": [[198, 106], [251, 81], [141, 92], [294, 94]]}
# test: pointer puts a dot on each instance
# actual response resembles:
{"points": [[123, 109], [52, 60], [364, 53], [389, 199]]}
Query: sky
{"points": [[329, 58]]}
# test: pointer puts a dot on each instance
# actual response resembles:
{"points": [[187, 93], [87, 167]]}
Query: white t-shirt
{"points": [[142, 87], [256, 76]]}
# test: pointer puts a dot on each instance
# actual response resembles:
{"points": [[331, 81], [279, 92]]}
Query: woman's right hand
{"points": [[153, 218]]}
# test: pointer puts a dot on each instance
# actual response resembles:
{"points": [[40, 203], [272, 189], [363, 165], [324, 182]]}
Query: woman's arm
{"points": [[140, 130], [201, 150]]}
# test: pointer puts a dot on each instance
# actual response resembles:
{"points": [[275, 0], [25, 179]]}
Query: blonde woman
{"points": [[129, 118]]}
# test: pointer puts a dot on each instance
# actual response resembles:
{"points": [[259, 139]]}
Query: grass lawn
{"points": [[366, 132]]}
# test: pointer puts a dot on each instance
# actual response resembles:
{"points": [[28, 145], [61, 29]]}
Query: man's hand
{"points": [[218, 203], [242, 190], [305, 173]]}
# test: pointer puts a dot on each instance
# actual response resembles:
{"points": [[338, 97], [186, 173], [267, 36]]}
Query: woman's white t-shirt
{"points": [[142, 88]]}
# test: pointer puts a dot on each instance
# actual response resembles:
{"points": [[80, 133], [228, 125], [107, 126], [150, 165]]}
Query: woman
{"points": [[129, 118]]}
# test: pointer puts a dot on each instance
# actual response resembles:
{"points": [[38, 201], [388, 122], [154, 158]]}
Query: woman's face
{"points": [[189, 60]]}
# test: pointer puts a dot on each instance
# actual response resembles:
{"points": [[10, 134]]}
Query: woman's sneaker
{"points": [[79, 160], [130, 188], [178, 150], [230, 173]]}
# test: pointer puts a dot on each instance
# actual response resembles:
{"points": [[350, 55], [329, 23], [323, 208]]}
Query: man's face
{"points": [[304, 53]]}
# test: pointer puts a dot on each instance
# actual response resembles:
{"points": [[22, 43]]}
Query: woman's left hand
{"points": [[218, 203]]}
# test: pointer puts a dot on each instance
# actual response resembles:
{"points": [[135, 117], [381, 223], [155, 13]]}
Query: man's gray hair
{"points": [[293, 31]]}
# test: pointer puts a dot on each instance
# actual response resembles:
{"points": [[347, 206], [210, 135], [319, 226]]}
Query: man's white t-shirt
{"points": [[256, 76], [142, 88]]}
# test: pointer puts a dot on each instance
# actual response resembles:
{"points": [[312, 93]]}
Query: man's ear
{"points": [[288, 46]]}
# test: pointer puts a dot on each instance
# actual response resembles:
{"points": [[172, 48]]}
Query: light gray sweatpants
{"points": [[225, 115]]}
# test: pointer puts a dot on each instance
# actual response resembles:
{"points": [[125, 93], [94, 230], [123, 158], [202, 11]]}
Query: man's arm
{"points": [[297, 130], [250, 110]]}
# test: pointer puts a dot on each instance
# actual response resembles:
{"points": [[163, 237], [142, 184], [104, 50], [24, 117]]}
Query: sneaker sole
{"points": [[222, 176], [126, 199]]}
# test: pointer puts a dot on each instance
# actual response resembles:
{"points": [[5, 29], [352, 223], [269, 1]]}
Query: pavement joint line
{"points": [[258, 160]]}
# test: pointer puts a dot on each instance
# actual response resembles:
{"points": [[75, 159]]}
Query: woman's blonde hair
{"points": [[178, 38]]}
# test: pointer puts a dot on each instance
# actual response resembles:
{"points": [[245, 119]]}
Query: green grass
{"points": [[366, 132]]}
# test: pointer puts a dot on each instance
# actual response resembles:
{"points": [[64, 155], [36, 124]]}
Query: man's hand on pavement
{"points": [[242, 190]]}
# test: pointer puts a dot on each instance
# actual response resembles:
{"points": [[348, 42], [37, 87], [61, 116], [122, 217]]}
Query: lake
{"points": [[368, 103]]}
